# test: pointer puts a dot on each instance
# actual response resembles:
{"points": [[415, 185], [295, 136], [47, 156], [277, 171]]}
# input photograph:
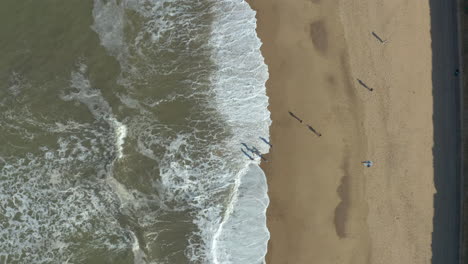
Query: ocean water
{"points": [[121, 123]]}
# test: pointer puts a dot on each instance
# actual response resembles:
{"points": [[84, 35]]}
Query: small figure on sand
{"points": [[293, 115], [266, 141], [367, 163], [313, 130]]}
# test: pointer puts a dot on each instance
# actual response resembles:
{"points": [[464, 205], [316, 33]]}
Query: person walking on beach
{"points": [[293, 115]]}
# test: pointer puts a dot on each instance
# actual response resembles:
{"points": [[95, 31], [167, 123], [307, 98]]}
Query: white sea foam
{"points": [[240, 79], [196, 172], [96, 104], [139, 255], [17, 83], [240, 91], [109, 18], [46, 203], [242, 234], [45, 206], [120, 134]]}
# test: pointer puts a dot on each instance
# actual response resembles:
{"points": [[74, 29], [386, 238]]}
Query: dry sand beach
{"points": [[325, 206]]}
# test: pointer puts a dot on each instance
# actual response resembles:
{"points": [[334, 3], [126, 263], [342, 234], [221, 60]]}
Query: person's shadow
{"points": [[378, 38], [365, 85]]}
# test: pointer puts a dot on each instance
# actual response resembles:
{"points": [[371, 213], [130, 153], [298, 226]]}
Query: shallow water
{"points": [[122, 123]]}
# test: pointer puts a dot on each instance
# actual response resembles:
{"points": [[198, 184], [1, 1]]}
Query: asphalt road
{"points": [[447, 154]]}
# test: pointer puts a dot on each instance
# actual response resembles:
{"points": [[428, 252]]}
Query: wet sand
{"points": [[369, 96]]}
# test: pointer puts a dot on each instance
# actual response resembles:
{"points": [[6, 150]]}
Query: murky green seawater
{"points": [[120, 128]]}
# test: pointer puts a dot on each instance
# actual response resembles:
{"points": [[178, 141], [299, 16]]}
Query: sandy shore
{"points": [[325, 206]]}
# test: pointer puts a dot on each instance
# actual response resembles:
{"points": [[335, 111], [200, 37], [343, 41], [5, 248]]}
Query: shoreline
{"points": [[367, 91], [318, 201]]}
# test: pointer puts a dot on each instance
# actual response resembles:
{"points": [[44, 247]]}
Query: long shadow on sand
{"points": [[446, 118]]}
